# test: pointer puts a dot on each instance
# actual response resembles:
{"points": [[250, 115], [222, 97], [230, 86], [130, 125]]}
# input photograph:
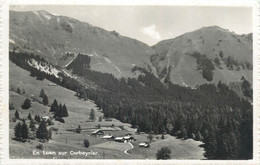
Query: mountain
{"points": [[207, 55], [210, 54], [59, 39]]}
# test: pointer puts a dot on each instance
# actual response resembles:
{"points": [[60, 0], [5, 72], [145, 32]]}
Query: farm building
{"points": [[145, 145], [109, 137], [97, 132], [124, 139], [45, 118], [129, 138], [119, 139]]}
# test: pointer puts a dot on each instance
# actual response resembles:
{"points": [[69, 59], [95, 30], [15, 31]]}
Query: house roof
{"points": [[119, 138], [107, 136], [128, 137], [96, 131], [142, 144]]}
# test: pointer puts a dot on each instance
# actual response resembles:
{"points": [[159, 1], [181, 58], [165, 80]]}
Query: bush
{"points": [[86, 143], [11, 106], [78, 130], [54, 129], [39, 146], [163, 153], [60, 119]]}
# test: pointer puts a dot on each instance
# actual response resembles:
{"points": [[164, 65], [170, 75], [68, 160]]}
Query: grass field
{"points": [[79, 110]]}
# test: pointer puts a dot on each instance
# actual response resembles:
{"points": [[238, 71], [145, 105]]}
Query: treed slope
{"points": [[58, 39], [150, 106], [231, 55]]}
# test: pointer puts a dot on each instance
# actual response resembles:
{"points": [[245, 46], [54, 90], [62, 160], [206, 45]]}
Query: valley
{"points": [[96, 94], [78, 109]]}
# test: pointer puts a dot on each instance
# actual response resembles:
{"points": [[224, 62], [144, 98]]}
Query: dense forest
{"points": [[211, 113]]}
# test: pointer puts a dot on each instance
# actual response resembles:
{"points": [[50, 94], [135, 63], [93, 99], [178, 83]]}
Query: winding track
{"points": [[129, 148]]}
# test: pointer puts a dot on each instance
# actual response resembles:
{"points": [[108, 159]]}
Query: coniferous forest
{"points": [[211, 113]]}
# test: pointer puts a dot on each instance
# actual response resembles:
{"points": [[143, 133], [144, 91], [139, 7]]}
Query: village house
{"points": [[108, 137], [97, 132], [124, 139], [45, 118], [129, 138], [119, 139], [145, 145]]}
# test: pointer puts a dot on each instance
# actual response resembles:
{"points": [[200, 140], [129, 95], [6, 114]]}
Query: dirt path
{"points": [[131, 145]]}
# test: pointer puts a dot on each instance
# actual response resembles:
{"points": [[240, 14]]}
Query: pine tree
{"points": [[27, 104], [45, 100], [100, 118], [55, 103], [18, 131], [17, 115], [29, 116], [25, 130], [37, 118], [42, 93], [92, 115], [42, 131], [150, 137], [54, 106], [32, 125], [58, 113], [64, 111], [211, 145], [18, 90]]}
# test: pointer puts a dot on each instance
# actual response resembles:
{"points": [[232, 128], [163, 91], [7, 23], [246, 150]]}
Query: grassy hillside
{"points": [[79, 110]]}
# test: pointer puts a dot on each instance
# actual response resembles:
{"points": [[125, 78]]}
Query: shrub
{"points": [[163, 153], [18, 90], [11, 106], [86, 143], [162, 136], [60, 119], [54, 129], [39, 146], [78, 130]]}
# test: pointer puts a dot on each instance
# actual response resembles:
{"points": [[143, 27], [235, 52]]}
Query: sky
{"points": [[151, 24]]}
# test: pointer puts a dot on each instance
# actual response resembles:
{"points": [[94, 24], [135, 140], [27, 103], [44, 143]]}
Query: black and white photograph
{"points": [[134, 82]]}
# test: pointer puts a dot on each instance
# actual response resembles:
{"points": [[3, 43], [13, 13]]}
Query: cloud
{"points": [[152, 32]]}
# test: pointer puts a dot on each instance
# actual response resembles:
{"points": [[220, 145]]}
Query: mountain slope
{"points": [[182, 57], [207, 55], [59, 39]]}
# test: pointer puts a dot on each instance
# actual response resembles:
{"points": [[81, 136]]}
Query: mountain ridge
{"points": [[61, 38]]}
